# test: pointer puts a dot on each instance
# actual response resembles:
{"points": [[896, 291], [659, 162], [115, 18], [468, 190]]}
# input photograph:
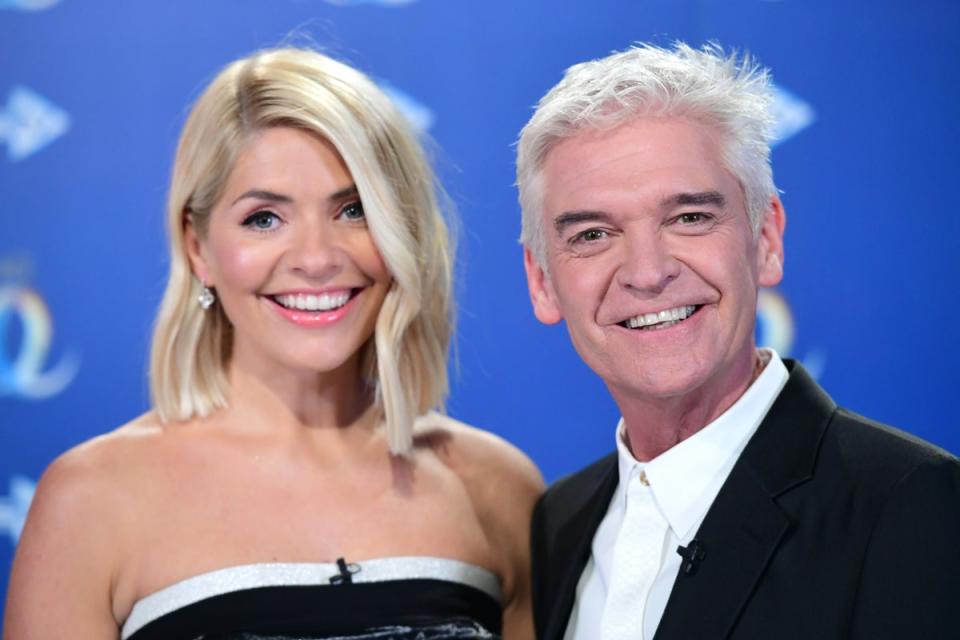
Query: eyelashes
{"points": [[267, 220], [352, 211], [262, 220]]}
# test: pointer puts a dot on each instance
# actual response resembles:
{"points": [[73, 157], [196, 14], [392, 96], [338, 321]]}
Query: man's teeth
{"points": [[671, 316], [307, 302]]}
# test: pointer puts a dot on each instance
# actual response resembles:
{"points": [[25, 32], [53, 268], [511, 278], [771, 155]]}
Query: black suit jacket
{"points": [[829, 526]]}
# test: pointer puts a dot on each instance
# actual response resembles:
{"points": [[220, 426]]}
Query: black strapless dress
{"points": [[415, 598]]}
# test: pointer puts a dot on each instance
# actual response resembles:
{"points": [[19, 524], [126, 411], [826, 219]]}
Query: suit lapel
{"points": [[739, 536], [573, 541], [744, 526]]}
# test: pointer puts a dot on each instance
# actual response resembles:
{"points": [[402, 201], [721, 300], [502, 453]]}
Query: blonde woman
{"points": [[292, 480]]}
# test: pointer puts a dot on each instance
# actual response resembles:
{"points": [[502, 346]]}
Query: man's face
{"points": [[651, 259]]}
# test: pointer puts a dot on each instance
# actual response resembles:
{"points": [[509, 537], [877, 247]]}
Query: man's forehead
{"points": [[664, 161], [650, 140]]}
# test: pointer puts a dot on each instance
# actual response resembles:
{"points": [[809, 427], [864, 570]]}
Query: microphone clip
{"points": [[692, 555], [345, 572]]}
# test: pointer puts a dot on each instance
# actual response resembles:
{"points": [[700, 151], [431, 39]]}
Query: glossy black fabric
{"points": [[395, 610], [830, 526]]}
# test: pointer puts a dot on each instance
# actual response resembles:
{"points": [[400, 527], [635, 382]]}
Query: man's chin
{"points": [[676, 382], [664, 386]]}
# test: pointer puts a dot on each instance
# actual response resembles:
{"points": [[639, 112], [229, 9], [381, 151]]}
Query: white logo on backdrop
{"points": [[382, 3], [419, 115], [22, 373], [27, 5], [775, 329], [13, 508], [30, 122], [792, 115], [774, 322], [775, 325]]}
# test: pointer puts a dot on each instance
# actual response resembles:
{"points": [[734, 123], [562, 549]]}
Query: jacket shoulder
{"points": [[572, 498], [910, 571], [806, 435], [564, 520], [574, 484], [873, 449]]}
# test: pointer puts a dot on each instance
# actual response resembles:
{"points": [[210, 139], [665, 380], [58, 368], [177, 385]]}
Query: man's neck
{"points": [[654, 425]]}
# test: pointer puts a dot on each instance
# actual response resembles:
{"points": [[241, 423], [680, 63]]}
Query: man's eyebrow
{"points": [[697, 198], [570, 218]]}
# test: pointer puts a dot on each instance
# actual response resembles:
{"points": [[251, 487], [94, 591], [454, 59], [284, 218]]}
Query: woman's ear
{"points": [[196, 251]]}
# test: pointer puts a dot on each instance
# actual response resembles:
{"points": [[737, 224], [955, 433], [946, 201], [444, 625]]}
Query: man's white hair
{"points": [[729, 92]]}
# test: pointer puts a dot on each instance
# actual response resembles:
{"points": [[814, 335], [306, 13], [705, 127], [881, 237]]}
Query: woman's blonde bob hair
{"points": [[407, 357]]}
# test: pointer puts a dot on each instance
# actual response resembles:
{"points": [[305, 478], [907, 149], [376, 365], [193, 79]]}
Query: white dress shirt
{"points": [[684, 480]]}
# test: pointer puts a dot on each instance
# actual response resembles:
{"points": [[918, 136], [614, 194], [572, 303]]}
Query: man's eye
{"points": [[590, 235], [693, 218], [353, 211], [262, 221]]}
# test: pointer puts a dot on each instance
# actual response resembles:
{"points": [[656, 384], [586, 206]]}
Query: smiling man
{"points": [[740, 502]]}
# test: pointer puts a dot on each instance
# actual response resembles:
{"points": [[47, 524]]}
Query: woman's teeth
{"points": [[309, 302]]}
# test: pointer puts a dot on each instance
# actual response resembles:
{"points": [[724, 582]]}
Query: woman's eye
{"points": [[262, 221], [353, 211]]}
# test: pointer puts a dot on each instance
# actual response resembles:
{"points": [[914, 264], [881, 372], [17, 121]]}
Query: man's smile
{"points": [[660, 319]]}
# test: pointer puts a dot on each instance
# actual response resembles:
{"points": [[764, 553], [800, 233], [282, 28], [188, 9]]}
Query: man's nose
{"points": [[647, 263], [316, 252]]}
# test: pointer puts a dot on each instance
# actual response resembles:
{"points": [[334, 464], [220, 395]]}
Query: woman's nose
{"points": [[316, 252]]}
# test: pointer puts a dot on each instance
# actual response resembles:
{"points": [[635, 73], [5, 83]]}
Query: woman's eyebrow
{"points": [[261, 194]]}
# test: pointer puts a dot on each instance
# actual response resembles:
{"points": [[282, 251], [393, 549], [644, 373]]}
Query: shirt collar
{"points": [[686, 478]]}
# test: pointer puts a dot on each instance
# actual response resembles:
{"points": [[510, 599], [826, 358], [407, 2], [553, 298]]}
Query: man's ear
{"points": [[770, 244], [545, 304], [196, 251]]}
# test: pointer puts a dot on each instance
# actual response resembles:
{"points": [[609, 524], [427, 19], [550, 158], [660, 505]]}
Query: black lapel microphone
{"points": [[692, 554]]}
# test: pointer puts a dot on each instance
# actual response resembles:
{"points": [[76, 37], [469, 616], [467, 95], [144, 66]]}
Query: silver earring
{"points": [[206, 298]]}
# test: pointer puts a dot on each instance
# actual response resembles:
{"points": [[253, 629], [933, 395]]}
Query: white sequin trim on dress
{"points": [[298, 574]]}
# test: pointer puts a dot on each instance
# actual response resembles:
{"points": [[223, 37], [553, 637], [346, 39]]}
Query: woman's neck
{"points": [[295, 400]]}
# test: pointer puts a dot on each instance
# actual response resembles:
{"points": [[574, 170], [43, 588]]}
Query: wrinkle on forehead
{"points": [[630, 159]]}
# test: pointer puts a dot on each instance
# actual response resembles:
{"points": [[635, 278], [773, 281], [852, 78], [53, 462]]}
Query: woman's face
{"points": [[290, 256]]}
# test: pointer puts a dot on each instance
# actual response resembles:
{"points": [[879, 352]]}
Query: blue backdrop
{"points": [[92, 96]]}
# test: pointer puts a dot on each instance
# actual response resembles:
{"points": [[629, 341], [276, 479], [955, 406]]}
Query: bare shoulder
{"points": [[503, 485], [84, 492], [479, 456], [73, 539], [95, 468], [94, 471]]}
